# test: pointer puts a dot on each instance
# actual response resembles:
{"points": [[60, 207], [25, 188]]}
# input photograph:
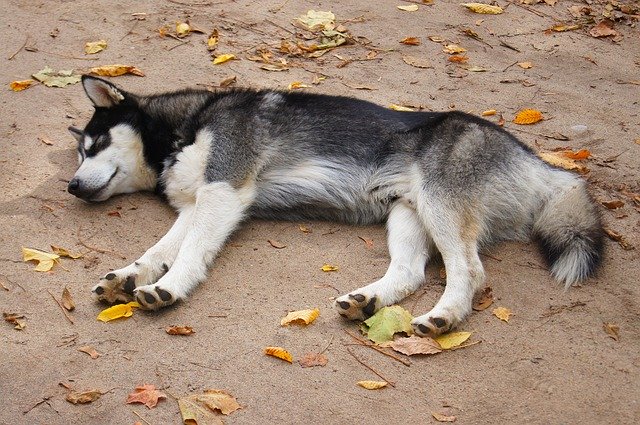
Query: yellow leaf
{"points": [[373, 385], [116, 70], [279, 352], [401, 108], [300, 317], [502, 313], [45, 260], [297, 85], [558, 160], [489, 112], [563, 27], [18, 320], [21, 85], [64, 252], [409, 8], [411, 41], [525, 65], [93, 47], [453, 49], [316, 20], [212, 41], [452, 339], [485, 9], [329, 268], [182, 29], [612, 330], [528, 116], [118, 311], [223, 58]]}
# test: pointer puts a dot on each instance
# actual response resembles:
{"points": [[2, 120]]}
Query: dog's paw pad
{"points": [[432, 326], [356, 306], [152, 297], [113, 288]]}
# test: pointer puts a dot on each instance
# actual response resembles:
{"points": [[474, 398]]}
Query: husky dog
{"points": [[446, 182]]}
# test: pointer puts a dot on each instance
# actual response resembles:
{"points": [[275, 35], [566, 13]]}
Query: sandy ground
{"points": [[551, 364]]}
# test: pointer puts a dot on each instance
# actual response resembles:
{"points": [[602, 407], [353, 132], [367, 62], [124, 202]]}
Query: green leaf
{"points": [[386, 322]]}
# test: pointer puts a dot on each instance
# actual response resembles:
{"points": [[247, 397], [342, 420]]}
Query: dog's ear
{"points": [[76, 133], [102, 93]]}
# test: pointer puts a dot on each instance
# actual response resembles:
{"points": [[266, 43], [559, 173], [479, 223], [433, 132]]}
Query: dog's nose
{"points": [[74, 186]]}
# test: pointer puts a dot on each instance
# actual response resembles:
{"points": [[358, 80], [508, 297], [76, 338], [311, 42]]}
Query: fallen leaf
{"points": [[116, 70], [443, 418], [180, 330], [612, 330], [329, 268], [87, 349], [489, 112], [85, 397], [223, 58], [409, 8], [417, 62], [367, 242], [502, 313], [603, 29], [451, 339], [274, 67], [564, 27], [51, 78], [21, 85], [183, 29], [202, 409], [45, 260], [17, 320], [578, 156], [525, 65], [476, 69], [613, 205], [373, 385], [117, 311], [528, 116], [484, 300], [67, 301], [228, 81], [485, 9], [300, 317], [313, 359], [316, 20], [279, 352], [45, 140], [452, 49], [458, 59], [387, 322], [276, 244], [415, 345], [304, 229], [212, 41], [411, 41], [558, 160], [93, 47], [297, 85], [436, 38], [63, 252], [401, 108], [146, 394], [622, 241]]}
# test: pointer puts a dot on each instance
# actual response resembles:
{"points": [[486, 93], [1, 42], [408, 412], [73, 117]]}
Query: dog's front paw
{"points": [[435, 323], [357, 306], [117, 286], [153, 297]]}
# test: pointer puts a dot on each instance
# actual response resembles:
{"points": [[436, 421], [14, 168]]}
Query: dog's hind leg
{"points": [[409, 249], [219, 208], [455, 231], [119, 285]]}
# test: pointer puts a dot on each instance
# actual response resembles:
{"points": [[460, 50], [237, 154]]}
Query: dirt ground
{"points": [[552, 363]]}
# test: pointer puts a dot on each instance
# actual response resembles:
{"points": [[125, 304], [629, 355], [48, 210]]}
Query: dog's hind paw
{"points": [[356, 306], [152, 297]]}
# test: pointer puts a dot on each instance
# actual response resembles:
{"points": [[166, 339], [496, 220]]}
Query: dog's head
{"points": [[110, 148]]}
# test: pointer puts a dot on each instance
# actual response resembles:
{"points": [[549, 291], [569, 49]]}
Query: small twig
{"points": [[44, 400], [508, 46], [131, 30], [529, 9], [178, 45], [141, 418], [218, 315], [490, 256], [325, 348], [277, 8], [20, 49], [378, 349], [69, 318], [370, 368], [101, 251], [510, 66], [279, 26]]}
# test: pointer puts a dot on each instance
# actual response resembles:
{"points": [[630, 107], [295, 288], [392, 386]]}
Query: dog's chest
{"points": [[186, 174]]}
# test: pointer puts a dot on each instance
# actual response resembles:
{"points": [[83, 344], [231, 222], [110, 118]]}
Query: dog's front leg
{"points": [[119, 285], [218, 210]]}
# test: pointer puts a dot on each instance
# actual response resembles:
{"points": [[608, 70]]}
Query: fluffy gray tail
{"points": [[570, 234]]}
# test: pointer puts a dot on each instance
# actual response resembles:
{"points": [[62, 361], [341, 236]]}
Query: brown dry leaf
{"points": [[603, 29], [436, 38], [146, 394], [502, 313], [415, 345], [482, 8], [93, 47], [612, 330], [85, 397], [613, 205], [367, 242], [21, 85], [411, 41], [300, 317], [452, 49], [202, 409], [116, 70], [525, 65], [228, 81], [564, 27], [528, 116], [67, 301], [180, 330], [17, 320], [443, 418], [458, 59], [63, 252], [114, 214], [329, 268], [559, 160], [279, 352], [87, 349], [276, 244], [417, 62], [313, 359], [45, 140], [622, 241], [373, 385], [484, 300], [304, 229]]}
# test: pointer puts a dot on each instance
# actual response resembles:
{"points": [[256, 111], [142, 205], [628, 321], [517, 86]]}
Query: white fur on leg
{"points": [[409, 247]]}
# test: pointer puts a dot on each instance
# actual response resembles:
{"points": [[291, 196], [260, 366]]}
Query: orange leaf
{"points": [[581, 154], [484, 300], [502, 313], [458, 59], [180, 330], [21, 85], [75, 397], [313, 359], [411, 41], [147, 395], [528, 116], [116, 70], [300, 317], [87, 349], [279, 352]]}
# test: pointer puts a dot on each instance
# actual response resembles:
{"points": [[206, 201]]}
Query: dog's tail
{"points": [[569, 231]]}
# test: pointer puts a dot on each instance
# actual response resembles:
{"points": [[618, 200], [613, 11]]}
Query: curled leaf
{"points": [[453, 49], [212, 41], [17, 320], [442, 417], [409, 8], [373, 385], [116, 70], [559, 160], [67, 301], [316, 20], [612, 330], [87, 349], [201, 409], [297, 85], [484, 300], [45, 260], [417, 62], [300, 317], [411, 41], [117, 311], [279, 352]]}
